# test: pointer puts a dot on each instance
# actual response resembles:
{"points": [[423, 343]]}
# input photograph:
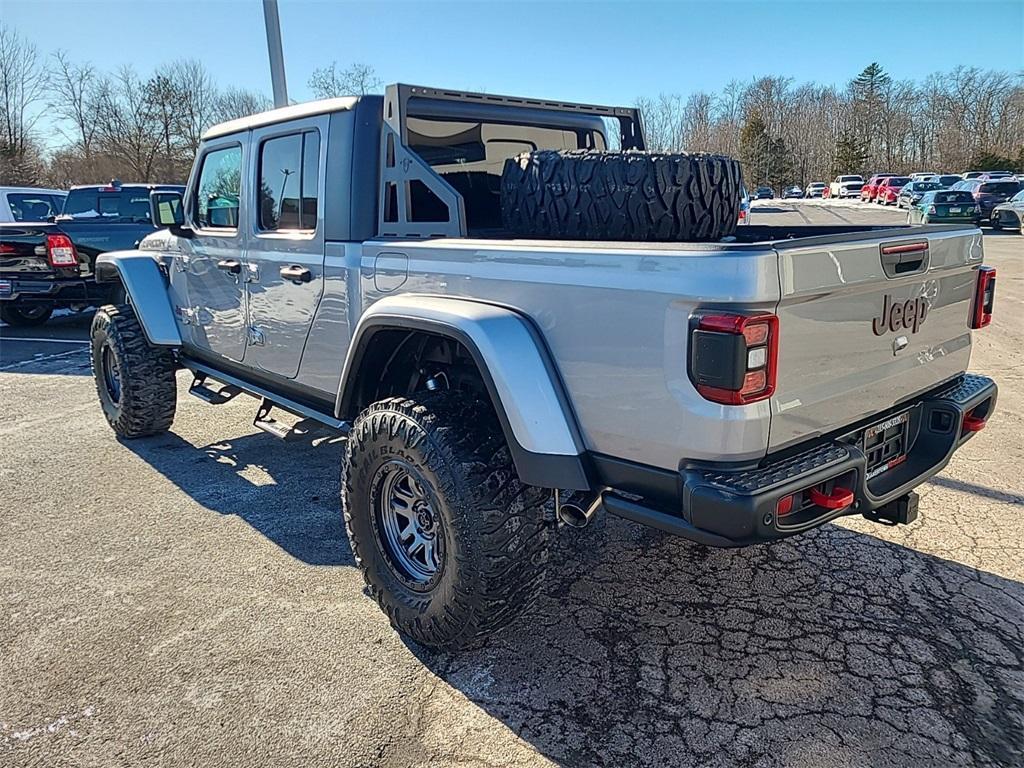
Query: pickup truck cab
{"points": [[48, 264], [848, 185], [344, 261]]}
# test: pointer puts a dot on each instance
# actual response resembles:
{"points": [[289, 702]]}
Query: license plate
{"points": [[6, 288], [885, 444], [955, 210]]}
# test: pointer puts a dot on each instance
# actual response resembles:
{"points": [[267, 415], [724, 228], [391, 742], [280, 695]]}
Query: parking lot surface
{"points": [[191, 600]]}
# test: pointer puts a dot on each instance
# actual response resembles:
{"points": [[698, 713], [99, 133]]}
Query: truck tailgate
{"points": [[858, 336]]}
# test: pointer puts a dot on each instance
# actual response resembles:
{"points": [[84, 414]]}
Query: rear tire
{"points": [[451, 544], [135, 381], [996, 224], [24, 315], [633, 196]]}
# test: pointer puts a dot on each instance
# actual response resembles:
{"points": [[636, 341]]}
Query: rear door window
{"points": [[288, 173], [219, 189]]}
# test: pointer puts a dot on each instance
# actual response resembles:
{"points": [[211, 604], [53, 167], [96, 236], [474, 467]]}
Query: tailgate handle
{"points": [[904, 258]]}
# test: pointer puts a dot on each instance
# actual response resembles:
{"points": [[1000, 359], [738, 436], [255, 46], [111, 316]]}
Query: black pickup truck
{"points": [[45, 266]]}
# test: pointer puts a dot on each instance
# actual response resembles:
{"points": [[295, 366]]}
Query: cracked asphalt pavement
{"points": [[191, 600]]}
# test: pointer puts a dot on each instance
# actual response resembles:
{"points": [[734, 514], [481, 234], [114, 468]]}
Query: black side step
{"points": [[213, 396]]}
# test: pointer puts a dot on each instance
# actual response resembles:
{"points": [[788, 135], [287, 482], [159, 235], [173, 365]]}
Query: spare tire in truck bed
{"points": [[594, 195]]}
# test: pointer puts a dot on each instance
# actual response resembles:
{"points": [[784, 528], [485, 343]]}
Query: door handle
{"points": [[229, 265], [296, 274]]}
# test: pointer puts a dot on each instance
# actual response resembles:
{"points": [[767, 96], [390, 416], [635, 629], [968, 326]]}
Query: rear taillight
{"points": [[984, 297], [61, 251], [733, 358]]}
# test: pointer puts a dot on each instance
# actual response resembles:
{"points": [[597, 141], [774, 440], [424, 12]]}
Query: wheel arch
{"points": [[514, 366], [145, 286]]}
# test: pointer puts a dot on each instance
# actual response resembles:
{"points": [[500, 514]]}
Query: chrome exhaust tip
{"points": [[578, 510]]}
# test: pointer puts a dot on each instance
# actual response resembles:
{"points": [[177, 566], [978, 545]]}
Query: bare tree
{"points": [[127, 124], [236, 102], [72, 98], [356, 80], [196, 101], [22, 86]]}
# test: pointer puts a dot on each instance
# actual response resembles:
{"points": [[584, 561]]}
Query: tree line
{"points": [[789, 133], [146, 127]]}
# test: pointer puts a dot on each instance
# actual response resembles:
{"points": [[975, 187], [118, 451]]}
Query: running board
{"points": [[272, 426], [276, 401]]}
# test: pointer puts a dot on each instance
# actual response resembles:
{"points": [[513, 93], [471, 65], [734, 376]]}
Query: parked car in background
{"points": [[849, 185], [923, 176], [29, 203], [870, 190], [796, 191], [816, 189], [889, 189], [914, 191], [1009, 215], [972, 174], [764, 193], [744, 215], [992, 175], [944, 206], [988, 194], [49, 265], [947, 180]]}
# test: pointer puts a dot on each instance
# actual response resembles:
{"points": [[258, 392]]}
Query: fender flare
{"points": [[146, 286], [521, 379]]}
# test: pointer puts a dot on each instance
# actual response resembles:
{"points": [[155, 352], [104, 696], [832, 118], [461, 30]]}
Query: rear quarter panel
{"points": [[616, 320]]}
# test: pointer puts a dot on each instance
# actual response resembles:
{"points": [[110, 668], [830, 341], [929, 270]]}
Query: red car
{"points": [[889, 189], [869, 190]]}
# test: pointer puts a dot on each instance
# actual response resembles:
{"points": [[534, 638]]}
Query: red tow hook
{"points": [[838, 499], [973, 423]]}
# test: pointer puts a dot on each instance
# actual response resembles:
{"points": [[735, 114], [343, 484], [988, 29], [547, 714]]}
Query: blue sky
{"points": [[581, 51]]}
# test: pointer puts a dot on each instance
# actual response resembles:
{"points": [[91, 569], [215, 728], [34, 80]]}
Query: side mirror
{"points": [[167, 210]]}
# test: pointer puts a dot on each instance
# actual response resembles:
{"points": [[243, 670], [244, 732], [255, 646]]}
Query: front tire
{"points": [[995, 222], [451, 544], [135, 381], [24, 315]]}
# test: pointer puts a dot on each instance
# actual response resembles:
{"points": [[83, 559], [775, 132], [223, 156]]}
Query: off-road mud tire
{"points": [[495, 530], [631, 196], [148, 392]]}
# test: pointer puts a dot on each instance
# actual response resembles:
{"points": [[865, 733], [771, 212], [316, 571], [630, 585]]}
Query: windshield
{"points": [[898, 181], [948, 180], [33, 206], [1019, 197], [922, 186], [999, 188], [130, 204], [953, 197], [850, 178]]}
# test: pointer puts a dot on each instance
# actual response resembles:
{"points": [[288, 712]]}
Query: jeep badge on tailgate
{"points": [[909, 315]]}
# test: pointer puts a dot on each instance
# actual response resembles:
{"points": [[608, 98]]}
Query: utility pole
{"points": [[274, 50]]}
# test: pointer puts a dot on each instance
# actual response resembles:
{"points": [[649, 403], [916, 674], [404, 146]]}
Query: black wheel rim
{"points": [[407, 523], [33, 311], [111, 376]]}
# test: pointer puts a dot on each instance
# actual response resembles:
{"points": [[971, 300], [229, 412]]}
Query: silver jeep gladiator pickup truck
{"points": [[518, 316]]}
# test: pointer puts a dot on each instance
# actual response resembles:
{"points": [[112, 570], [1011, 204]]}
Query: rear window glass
{"points": [[33, 206], [947, 180], [850, 178], [898, 181], [999, 187], [126, 205], [953, 197]]}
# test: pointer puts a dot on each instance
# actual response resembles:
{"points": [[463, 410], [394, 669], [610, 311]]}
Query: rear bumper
{"points": [[59, 291], [735, 506]]}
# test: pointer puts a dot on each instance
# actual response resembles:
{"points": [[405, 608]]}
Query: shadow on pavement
{"points": [[834, 648], [289, 493], [978, 490]]}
